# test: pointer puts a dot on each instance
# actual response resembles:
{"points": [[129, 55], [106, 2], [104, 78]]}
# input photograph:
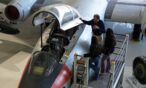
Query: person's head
{"points": [[110, 40], [96, 17], [109, 32]]}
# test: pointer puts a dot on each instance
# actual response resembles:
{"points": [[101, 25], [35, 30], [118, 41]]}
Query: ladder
{"points": [[80, 79]]}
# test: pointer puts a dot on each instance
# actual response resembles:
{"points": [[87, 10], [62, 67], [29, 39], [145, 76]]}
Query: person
{"points": [[109, 46], [94, 54], [97, 25]]}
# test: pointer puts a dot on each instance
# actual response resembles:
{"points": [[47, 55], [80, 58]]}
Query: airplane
{"points": [[5, 26], [119, 8], [118, 11], [18, 10], [51, 63], [15, 12]]}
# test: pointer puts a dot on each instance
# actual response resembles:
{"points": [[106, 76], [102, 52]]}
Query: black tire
{"points": [[139, 69]]}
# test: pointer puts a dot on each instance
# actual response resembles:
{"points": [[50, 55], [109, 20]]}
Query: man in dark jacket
{"points": [[97, 25]]}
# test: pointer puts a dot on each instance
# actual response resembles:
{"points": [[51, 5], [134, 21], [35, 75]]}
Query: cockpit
{"points": [[61, 22]]}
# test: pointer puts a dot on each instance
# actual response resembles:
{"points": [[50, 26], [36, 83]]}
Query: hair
{"points": [[110, 38], [96, 15], [109, 32]]}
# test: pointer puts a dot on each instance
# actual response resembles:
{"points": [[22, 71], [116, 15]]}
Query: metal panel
{"points": [[133, 1], [127, 13]]}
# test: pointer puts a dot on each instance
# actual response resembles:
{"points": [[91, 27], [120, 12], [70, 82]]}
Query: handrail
{"points": [[119, 60]]}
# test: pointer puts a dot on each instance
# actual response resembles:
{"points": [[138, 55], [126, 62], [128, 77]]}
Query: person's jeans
{"points": [[94, 64]]}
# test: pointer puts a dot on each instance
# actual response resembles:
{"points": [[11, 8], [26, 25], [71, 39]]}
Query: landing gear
{"points": [[138, 80], [136, 32], [139, 69]]}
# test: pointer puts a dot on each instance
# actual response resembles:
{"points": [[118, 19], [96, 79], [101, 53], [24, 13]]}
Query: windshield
{"points": [[43, 63]]}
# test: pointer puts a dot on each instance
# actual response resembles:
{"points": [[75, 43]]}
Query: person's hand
{"points": [[75, 55], [82, 56], [78, 55]]}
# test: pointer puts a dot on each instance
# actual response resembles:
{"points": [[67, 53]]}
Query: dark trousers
{"points": [[94, 64], [105, 67]]}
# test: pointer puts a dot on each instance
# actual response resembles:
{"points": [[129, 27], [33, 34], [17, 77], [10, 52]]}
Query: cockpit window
{"points": [[67, 17], [42, 17], [55, 11], [75, 15], [43, 63]]}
